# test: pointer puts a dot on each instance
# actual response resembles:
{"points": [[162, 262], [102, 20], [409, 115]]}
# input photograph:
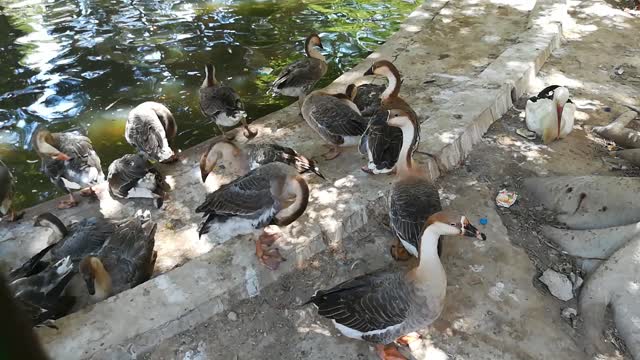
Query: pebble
{"points": [[232, 316], [559, 285], [569, 313]]}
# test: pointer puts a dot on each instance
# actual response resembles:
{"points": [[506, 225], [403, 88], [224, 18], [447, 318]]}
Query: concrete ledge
{"points": [[176, 300]]}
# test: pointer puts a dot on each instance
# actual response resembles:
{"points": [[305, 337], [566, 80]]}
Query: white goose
{"points": [[550, 114]]}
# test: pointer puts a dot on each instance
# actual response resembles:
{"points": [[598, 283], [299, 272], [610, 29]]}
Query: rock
{"points": [[232, 316], [576, 280], [559, 285], [569, 313]]}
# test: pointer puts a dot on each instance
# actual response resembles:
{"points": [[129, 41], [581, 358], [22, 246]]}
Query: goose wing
{"points": [[368, 98], [335, 117], [246, 195], [383, 143], [85, 237], [84, 168], [145, 131], [411, 202], [370, 302], [215, 100], [125, 172], [300, 73]]}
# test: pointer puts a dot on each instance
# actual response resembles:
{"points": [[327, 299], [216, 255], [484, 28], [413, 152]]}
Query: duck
{"points": [[413, 197], [382, 143], [125, 260], [386, 305], [551, 113], [250, 156], [335, 118], [222, 104], [150, 127], [41, 295], [7, 191], [254, 201], [132, 176], [299, 77], [70, 162]]}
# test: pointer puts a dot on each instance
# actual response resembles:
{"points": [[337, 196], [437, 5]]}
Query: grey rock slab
{"points": [[597, 243], [617, 283], [589, 202]]}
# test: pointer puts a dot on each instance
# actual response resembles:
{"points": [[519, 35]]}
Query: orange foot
{"points": [[269, 256], [332, 153], [389, 352], [366, 169], [398, 252], [408, 339], [87, 192], [249, 134]]}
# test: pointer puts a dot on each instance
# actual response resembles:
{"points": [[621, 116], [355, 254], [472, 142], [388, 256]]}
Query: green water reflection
{"points": [[65, 62]]}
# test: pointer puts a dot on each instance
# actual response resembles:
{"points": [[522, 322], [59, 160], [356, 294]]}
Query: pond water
{"points": [[79, 65]]}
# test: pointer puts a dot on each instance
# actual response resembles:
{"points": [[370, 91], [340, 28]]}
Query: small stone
{"points": [[232, 316], [559, 285], [576, 280], [569, 313]]}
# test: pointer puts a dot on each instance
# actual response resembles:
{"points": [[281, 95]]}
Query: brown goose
{"points": [[384, 305], [335, 118], [132, 176], [150, 127], [413, 197], [251, 156], [125, 260], [7, 190], [69, 161], [222, 104], [382, 143], [366, 97], [299, 77], [255, 201]]}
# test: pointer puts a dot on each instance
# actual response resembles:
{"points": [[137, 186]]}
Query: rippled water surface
{"points": [[82, 65]]}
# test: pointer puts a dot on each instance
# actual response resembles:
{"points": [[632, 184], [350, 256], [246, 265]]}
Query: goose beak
{"points": [[369, 71], [204, 173], [471, 231], [62, 157], [90, 285]]}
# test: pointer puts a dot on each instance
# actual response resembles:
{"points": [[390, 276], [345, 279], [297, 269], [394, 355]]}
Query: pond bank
{"points": [[460, 73]]}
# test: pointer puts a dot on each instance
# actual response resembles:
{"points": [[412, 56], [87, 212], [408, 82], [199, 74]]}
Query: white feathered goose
{"points": [[7, 190], [335, 118], [299, 77], [69, 161], [132, 176], [384, 305], [254, 201], [250, 156], [222, 104], [413, 197], [551, 113], [381, 143], [150, 127]]}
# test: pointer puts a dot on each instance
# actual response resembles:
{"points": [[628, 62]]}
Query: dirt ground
{"points": [[272, 325]]}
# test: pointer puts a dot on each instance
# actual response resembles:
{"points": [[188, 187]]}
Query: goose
{"points": [[7, 190], [150, 127], [70, 163], [366, 97], [299, 77], [381, 143], [222, 104], [550, 114], [413, 197], [251, 156], [124, 261], [254, 201], [132, 176], [385, 305], [41, 295], [335, 118]]}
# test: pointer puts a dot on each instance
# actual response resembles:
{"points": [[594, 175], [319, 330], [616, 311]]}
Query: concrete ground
{"points": [[219, 304], [496, 307]]}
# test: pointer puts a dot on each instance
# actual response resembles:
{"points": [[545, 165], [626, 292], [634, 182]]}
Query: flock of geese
{"points": [[104, 257]]}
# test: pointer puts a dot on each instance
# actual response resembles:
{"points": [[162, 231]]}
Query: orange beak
{"points": [[62, 156]]}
